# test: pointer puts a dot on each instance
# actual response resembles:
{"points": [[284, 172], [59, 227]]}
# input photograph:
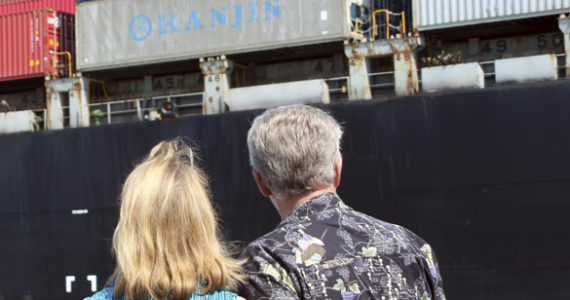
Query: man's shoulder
{"points": [[285, 233], [362, 222], [281, 244], [366, 219], [347, 218], [268, 240]]}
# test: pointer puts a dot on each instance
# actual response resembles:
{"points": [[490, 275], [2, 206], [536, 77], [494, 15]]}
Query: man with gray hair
{"points": [[323, 249]]}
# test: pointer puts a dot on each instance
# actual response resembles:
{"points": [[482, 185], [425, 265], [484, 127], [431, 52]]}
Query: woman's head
{"points": [[166, 242]]}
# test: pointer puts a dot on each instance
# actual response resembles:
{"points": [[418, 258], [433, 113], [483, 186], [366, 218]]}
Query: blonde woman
{"points": [[166, 243]]}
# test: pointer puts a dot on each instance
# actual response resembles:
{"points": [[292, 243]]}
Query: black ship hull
{"points": [[483, 175]]}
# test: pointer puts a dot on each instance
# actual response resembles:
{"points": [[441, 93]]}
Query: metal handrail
{"points": [[356, 26], [388, 13], [242, 67], [106, 107], [154, 97], [102, 83], [343, 89], [337, 78], [381, 73], [382, 85], [69, 61]]}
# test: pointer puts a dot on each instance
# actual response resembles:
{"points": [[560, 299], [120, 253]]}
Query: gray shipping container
{"points": [[121, 33], [437, 14]]}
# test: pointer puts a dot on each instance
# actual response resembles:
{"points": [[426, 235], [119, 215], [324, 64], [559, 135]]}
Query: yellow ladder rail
{"points": [[69, 60], [388, 13]]}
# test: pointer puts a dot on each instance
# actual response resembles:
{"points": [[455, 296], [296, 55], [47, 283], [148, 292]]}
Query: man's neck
{"points": [[287, 205]]}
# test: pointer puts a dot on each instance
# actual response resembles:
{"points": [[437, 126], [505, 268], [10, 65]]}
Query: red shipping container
{"points": [[8, 7], [34, 44]]}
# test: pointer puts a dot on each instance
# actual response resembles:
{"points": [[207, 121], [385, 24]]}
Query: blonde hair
{"points": [[167, 240]]}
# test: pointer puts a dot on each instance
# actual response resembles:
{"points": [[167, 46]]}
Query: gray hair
{"points": [[294, 148]]}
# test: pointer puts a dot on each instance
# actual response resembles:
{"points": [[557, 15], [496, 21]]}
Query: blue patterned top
{"points": [[107, 294]]}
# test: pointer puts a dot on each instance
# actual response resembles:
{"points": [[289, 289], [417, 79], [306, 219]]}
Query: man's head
{"points": [[294, 149]]}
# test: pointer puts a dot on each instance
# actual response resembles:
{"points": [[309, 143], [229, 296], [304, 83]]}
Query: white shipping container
{"points": [[458, 76], [17, 121], [436, 14], [120, 33], [524, 69], [271, 95]]}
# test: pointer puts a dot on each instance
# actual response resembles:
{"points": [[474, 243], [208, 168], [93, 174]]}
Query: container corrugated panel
{"points": [[15, 6], [30, 40], [436, 14], [120, 33]]}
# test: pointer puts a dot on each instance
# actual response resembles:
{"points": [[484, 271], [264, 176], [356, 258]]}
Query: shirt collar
{"points": [[313, 206]]}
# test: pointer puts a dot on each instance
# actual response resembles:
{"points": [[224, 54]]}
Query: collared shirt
{"points": [[326, 250]]}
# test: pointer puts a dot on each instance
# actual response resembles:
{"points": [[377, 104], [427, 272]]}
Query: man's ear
{"points": [[337, 171], [265, 191]]}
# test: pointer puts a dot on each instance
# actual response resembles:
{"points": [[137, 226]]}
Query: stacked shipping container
{"points": [[32, 44], [437, 14], [149, 32], [15, 6]]}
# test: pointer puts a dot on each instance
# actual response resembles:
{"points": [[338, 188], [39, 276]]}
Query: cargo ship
{"points": [[455, 117]]}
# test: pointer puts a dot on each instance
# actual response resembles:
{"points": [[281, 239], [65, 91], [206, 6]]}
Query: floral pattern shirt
{"points": [[326, 250]]}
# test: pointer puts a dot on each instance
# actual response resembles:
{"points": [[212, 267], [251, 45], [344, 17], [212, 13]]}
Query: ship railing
{"points": [[488, 67], [39, 122], [338, 87], [146, 108], [401, 28], [141, 109]]}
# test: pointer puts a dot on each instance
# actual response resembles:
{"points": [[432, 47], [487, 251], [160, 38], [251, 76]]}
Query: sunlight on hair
{"points": [[167, 241]]}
